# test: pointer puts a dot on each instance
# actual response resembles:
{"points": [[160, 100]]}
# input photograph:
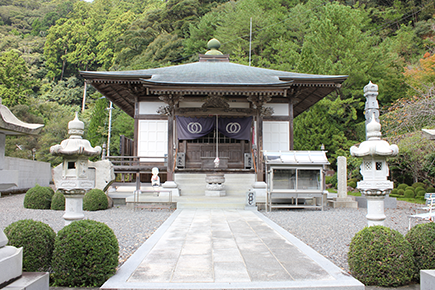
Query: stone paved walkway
{"points": [[226, 249]]}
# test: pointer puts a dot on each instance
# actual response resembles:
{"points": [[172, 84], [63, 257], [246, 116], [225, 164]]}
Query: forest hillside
{"points": [[45, 43]]}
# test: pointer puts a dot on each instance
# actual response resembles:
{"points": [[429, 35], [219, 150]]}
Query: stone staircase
{"points": [[194, 184], [192, 193]]}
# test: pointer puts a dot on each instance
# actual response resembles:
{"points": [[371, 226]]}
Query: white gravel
{"points": [[131, 227], [329, 232]]}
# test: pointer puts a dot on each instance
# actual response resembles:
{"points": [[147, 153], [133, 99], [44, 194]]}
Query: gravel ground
{"points": [[131, 227], [329, 232]]}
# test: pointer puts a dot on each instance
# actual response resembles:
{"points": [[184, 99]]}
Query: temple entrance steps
{"points": [[193, 184], [192, 193]]}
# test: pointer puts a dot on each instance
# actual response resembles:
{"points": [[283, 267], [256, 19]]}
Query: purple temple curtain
{"points": [[193, 128], [236, 128]]}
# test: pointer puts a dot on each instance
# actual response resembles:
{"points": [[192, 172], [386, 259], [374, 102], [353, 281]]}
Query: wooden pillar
{"points": [[290, 123], [260, 167], [136, 128], [170, 173]]}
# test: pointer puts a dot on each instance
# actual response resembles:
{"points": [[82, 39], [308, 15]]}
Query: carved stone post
{"points": [[374, 168]]}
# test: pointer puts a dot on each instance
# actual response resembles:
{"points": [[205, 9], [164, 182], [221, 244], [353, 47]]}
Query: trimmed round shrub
{"points": [[409, 188], [409, 193], [402, 186], [401, 192], [419, 184], [381, 256], [37, 240], [420, 188], [95, 199], [420, 192], [58, 201], [395, 191], [352, 183], [85, 254], [430, 189], [38, 197], [422, 240]]}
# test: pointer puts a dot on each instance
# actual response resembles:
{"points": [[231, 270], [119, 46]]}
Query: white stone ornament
{"points": [[374, 168], [76, 178]]}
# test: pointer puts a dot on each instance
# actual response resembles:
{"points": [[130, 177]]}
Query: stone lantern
{"points": [[374, 168], [76, 179]]}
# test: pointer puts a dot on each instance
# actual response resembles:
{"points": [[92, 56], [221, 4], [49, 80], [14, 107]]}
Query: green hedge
{"points": [[381, 256], [95, 199], [38, 197], [409, 193], [85, 254], [422, 239], [58, 201], [37, 240]]}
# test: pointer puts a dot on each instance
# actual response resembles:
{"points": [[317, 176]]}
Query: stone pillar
{"points": [[375, 209], [342, 200], [73, 208], [342, 177]]}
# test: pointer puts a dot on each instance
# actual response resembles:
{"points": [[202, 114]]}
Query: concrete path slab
{"points": [[226, 249]]}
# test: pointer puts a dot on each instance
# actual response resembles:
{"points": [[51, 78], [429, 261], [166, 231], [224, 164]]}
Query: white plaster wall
{"points": [[279, 109], [153, 139], [275, 136], [150, 108], [30, 172]]}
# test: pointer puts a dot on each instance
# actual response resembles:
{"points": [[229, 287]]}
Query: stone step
{"points": [[30, 281], [191, 184], [212, 202]]}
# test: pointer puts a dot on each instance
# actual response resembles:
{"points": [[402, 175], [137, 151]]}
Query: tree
{"points": [[415, 159], [68, 92], [421, 78], [97, 131], [329, 122], [15, 81]]}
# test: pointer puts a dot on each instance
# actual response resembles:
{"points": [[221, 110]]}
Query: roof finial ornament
{"points": [[213, 44]]}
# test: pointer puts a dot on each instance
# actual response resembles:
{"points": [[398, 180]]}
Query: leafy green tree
{"points": [[15, 81], [329, 122], [97, 131], [415, 158], [122, 124], [68, 92]]}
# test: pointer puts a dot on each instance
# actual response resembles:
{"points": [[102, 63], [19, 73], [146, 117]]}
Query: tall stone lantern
{"points": [[374, 168], [76, 179]]}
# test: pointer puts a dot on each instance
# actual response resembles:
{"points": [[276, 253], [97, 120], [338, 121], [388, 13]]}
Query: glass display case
{"points": [[295, 178]]}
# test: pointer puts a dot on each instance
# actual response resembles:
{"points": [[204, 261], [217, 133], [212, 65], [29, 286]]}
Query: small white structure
{"points": [[76, 177], [11, 258], [374, 168], [295, 179]]}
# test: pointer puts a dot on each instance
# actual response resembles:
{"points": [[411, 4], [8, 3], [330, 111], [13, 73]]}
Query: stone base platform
{"points": [[347, 202], [30, 281]]}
